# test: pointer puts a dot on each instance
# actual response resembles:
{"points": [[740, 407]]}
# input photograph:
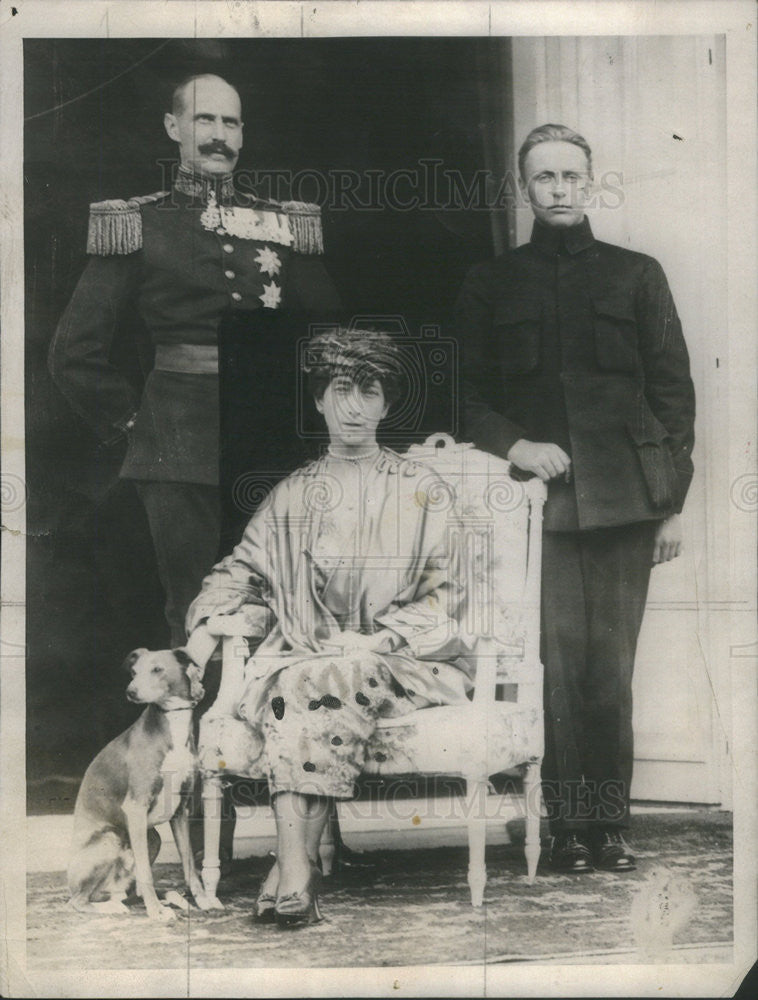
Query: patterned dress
{"points": [[340, 550]]}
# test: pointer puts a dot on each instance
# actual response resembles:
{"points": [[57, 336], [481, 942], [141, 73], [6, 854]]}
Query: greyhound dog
{"points": [[140, 779]]}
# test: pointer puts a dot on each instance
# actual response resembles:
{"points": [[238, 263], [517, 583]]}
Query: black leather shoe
{"points": [[570, 854], [611, 852]]}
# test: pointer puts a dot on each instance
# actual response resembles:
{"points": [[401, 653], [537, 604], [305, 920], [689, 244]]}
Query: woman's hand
{"points": [[383, 641]]}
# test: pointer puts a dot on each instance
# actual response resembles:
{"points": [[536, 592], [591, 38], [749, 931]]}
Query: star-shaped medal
{"points": [[268, 261], [272, 295]]}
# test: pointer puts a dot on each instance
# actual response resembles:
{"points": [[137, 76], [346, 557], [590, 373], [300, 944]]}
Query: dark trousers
{"points": [[594, 588], [185, 523]]}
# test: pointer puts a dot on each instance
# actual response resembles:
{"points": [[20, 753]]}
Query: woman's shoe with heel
{"points": [[300, 908], [265, 909]]}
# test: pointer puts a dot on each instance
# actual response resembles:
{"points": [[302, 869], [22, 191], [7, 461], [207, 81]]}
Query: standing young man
{"points": [[577, 372]]}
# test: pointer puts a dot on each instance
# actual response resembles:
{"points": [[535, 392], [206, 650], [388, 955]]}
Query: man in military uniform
{"points": [[186, 258], [577, 372]]}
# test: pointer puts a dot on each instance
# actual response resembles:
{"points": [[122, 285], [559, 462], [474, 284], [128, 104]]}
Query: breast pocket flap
{"points": [[518, 326], [616, 334], [619, 307]]}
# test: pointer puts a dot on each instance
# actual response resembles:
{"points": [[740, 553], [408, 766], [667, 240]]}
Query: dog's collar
{"points": [[177, 705]]}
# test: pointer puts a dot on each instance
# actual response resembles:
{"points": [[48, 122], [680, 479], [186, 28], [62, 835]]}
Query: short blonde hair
{"points": [[552, 133]]}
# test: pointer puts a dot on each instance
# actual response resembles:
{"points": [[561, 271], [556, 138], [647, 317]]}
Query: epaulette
{"points": [[115, 226], [305, 223]]}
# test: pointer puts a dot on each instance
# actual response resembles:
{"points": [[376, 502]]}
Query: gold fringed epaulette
{"points": [[305, 223], [115, 226]]}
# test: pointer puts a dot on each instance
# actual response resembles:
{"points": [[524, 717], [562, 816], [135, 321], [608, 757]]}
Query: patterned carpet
{"points": [[415, 910]]}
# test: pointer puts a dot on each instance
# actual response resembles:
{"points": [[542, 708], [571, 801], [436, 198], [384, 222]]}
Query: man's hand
{"points": [[540, 457], [668, 540]]}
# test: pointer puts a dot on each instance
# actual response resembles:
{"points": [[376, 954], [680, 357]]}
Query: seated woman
{"points": [[344, 574]]}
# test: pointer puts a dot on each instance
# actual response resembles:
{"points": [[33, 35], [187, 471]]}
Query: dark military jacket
{"points": [[577, 342], [184, 266]]}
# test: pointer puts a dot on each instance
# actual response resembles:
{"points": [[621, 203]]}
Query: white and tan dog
{"points": [[141, 778]]}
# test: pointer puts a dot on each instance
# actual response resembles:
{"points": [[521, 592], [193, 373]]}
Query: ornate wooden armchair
{"points": [[498, 524]]}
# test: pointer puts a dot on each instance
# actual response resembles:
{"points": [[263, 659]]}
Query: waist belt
{"points": [[197, 359]]}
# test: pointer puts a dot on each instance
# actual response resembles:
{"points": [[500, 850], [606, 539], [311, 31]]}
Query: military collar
{"points": [[551, 240], [199, 186]]}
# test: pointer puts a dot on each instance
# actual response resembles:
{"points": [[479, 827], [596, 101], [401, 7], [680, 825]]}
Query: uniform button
{"points": [[229, 275], [236, 296], [228, 248], [221, 231]]}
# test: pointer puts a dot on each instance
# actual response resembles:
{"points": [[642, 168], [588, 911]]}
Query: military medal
{"points": [[272, 296], [268, 261], [246, 223]]}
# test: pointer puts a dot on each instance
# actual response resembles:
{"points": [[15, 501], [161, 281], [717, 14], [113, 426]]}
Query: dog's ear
{"points": [[132, 659], [193, 672], [182, 656]]}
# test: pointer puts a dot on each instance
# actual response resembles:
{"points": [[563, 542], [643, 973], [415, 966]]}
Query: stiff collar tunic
{"points": [[577, 342], [184, 260]]}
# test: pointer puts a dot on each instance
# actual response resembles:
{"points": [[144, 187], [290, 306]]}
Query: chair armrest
{"points": [[201, 646]]}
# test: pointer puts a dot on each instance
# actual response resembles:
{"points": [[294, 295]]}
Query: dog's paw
{"points": [[111, 907], [173, 898], [161, 913]]}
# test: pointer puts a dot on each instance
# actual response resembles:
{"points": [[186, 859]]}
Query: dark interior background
{"points": [[94, 130]]}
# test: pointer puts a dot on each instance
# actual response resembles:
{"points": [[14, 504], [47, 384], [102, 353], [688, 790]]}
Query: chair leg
{"points": [[533, 809], [476, 815], [327, 847], [213, 794]]}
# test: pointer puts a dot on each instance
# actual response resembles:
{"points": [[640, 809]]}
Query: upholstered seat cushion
{"points": [[465, 740]]}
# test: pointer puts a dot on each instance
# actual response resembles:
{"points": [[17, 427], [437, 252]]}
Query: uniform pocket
{"points": [[656, 462], [518, 326], [616, 333]]}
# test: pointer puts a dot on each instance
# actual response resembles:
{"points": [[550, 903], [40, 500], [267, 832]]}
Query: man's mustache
{"points": [[217, 146]]}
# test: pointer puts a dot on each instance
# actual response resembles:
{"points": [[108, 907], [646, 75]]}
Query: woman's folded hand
{"points": [[383, 641]]}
